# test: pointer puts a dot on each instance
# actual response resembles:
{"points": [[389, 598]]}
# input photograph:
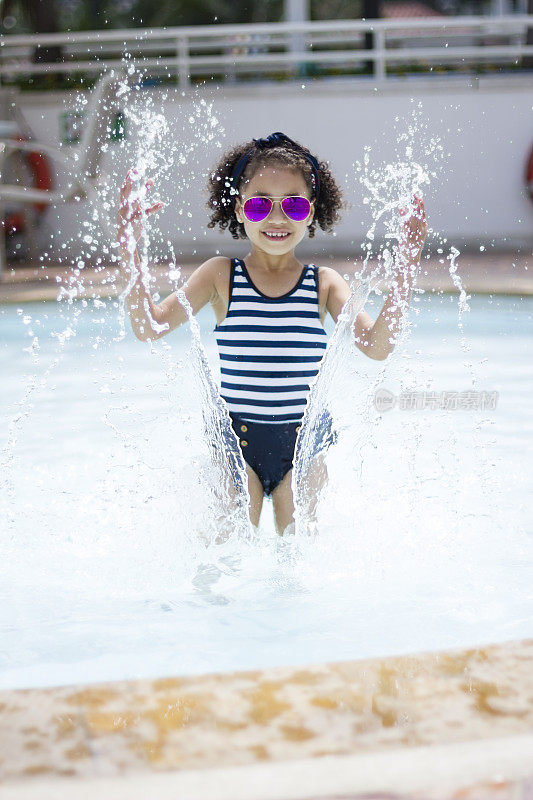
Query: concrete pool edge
{"points": [[486, 766], [398, 724]]}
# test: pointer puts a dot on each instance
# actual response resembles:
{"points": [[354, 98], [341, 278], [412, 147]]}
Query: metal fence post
{"points": [[380, 65], [182, 50]]}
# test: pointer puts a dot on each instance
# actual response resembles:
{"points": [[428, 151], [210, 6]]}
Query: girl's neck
{"points": [[257, 259]]}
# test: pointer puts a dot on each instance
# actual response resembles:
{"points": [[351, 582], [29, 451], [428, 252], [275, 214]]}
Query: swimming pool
{"points": [[426, 534]]}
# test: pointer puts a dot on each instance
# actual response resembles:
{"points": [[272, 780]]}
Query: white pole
{"points": [[296, 11], [500, 8]]}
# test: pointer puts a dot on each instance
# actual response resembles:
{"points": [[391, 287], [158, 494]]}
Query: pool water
{"points": [[425, 537]]}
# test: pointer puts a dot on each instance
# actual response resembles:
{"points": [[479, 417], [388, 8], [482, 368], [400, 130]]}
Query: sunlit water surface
{"points": [[425, 532]]}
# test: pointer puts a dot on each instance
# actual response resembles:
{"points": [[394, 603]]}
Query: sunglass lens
{"points": [[257, 208], [296, 208]]}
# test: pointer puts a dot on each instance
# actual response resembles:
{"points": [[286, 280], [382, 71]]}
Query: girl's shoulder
{"points": [[218, 262], [327, 277], [210, 280], [217, 267], [330, 281]]}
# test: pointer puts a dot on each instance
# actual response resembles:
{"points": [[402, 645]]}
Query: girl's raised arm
{"points": [[149, 320], [377, 339]]}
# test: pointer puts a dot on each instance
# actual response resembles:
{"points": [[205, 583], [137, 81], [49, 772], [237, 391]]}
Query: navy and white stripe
{"points": [[270, 347]]}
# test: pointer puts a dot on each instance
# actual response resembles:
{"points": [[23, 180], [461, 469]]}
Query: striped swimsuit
{"points": [[270, 349]]}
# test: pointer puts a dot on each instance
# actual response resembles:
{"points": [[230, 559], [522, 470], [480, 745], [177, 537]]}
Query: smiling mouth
{"points": [[276, 237]]}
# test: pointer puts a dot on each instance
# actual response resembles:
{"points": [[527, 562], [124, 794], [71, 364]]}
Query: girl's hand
{"points": [[131, 212], [413, 229]]}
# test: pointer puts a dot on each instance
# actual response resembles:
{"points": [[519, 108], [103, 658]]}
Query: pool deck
{"points": [[481, 273], [454, 725]]}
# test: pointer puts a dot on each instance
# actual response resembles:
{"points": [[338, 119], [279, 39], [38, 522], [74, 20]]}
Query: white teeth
{"points": [[275, 235]]}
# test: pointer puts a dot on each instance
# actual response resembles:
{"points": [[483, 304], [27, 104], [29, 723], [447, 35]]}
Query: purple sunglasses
{"points": [[256, 209]]}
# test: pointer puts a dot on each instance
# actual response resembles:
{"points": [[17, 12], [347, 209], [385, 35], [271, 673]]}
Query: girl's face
{"points": [[277, 234]]}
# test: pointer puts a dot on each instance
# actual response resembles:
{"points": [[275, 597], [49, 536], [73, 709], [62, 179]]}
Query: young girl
{"points": [[269, 307]]}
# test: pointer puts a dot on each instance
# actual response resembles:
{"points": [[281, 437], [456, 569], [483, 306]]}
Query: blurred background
{"points": [[446, 84], [46, 16]]}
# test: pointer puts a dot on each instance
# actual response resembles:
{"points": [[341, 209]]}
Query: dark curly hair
{"points": [[222, 194]]}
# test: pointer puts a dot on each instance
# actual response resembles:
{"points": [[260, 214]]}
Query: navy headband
{"points": [[263, 144]]}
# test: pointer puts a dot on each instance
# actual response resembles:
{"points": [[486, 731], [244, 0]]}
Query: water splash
{"points": [[154, 145], [316, 433], [224, 480], [388, 188], [343, 391]]}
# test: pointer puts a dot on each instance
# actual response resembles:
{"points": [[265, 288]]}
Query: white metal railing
{"points": [[261, 50]]}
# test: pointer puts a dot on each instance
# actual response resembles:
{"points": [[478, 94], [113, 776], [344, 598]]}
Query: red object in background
{"points": [[529, 175], [42, 179], [13, 223], [42, 175]]}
